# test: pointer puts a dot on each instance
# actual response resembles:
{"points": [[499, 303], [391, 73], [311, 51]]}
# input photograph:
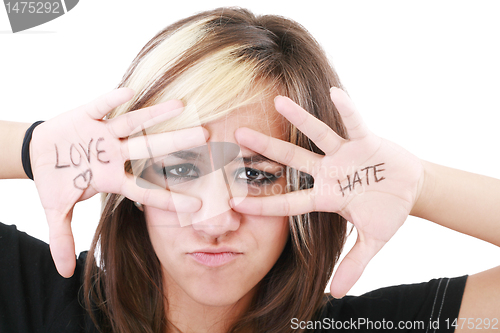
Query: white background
{"points": [[424, 74]]}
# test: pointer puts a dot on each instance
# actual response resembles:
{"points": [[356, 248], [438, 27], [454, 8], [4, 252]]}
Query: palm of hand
{"points": [[74, 164], [370, 181], [78, 154]]}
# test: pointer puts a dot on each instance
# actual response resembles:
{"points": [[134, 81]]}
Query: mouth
{"points": [[214, 258]]}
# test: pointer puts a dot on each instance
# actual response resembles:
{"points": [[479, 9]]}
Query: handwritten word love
{"points": [[357, 179], [75, 158]]}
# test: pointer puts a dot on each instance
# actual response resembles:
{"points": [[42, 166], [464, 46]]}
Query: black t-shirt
{"points": [[424, 307], [34, 298]]}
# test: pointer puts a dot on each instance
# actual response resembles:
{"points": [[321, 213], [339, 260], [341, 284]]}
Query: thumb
{"points": [[353, 265], [62, 244]]}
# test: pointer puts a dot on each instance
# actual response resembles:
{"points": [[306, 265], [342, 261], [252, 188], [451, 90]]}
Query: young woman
{"points": [[229, 215]]}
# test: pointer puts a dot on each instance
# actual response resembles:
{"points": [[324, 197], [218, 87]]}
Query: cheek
{"points": [[164, 232], [160, 218], [270, 235]]}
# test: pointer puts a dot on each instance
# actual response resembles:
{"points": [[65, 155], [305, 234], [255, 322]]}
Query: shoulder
{"points": [[34, 295], [436, 302]]}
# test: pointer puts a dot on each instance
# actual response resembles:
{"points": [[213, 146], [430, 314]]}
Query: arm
{"points": [[468, 203], [460, 200], [11, 141]]}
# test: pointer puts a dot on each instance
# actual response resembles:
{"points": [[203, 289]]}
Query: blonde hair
{"points": [[217, 62], [213, 86]]}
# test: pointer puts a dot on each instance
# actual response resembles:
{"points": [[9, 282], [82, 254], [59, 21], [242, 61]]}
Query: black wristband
{"points": [[25, 152]]}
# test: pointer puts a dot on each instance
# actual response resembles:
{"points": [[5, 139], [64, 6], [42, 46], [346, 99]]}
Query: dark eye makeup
{"points": [[256, 177], [177, 173], [184, 172]]}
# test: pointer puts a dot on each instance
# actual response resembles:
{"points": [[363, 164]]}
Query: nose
{"points": [[219, 225], [216, 217]]}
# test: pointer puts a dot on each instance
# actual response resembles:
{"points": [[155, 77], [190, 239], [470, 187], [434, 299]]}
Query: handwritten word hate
{"points": [[357, 179]]}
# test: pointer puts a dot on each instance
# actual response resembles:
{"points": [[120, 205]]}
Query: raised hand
{"points": [[77, 155], [371, 182]]}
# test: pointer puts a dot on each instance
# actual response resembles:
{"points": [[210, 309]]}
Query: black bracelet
{"points": [[25, 152]]}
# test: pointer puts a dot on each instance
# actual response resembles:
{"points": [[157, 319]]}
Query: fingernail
{"points": [[237, 135], [190, 205], [206, 133], [165, 109], [180, 107], [129, 90], [235, 201]]}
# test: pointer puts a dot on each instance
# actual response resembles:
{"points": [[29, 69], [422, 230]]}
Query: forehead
{"points": [[261, 117]]}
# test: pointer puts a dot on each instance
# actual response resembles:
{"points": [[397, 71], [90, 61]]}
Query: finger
{"points": [[137, 189], [149, 146], [356, 127], [278, 150], [135, 121], [61, 242], [107, 102], [353, 265], [293, 203], [316, 130]]}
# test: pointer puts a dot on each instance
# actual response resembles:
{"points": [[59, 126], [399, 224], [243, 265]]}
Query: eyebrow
{"points": [[257, 158], [186, 154], [252, 159]]}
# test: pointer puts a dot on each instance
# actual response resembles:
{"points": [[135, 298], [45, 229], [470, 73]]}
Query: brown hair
{"points": [[125, 287]]}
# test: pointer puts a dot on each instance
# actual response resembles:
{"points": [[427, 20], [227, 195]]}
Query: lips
{"points": [[215, 257]]}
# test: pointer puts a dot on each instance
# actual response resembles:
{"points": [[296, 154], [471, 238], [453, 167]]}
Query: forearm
{"points": [[462, 201], [11, 141]]}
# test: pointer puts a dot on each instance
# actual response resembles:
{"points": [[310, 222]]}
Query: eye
{"points": [[252, 174], [185, 171], [255, 177]]}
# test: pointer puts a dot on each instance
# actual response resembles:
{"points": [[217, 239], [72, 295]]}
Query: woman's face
{"points": [[218, 256]]}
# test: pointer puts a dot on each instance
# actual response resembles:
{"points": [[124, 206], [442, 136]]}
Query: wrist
{"points": [[26, 151], [11, 141], [424, 191]]}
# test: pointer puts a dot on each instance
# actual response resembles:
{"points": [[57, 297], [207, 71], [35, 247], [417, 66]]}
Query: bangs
{"points": [[211, 73]]}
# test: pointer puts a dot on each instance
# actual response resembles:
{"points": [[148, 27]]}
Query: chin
{"points": [[210, 296]]}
